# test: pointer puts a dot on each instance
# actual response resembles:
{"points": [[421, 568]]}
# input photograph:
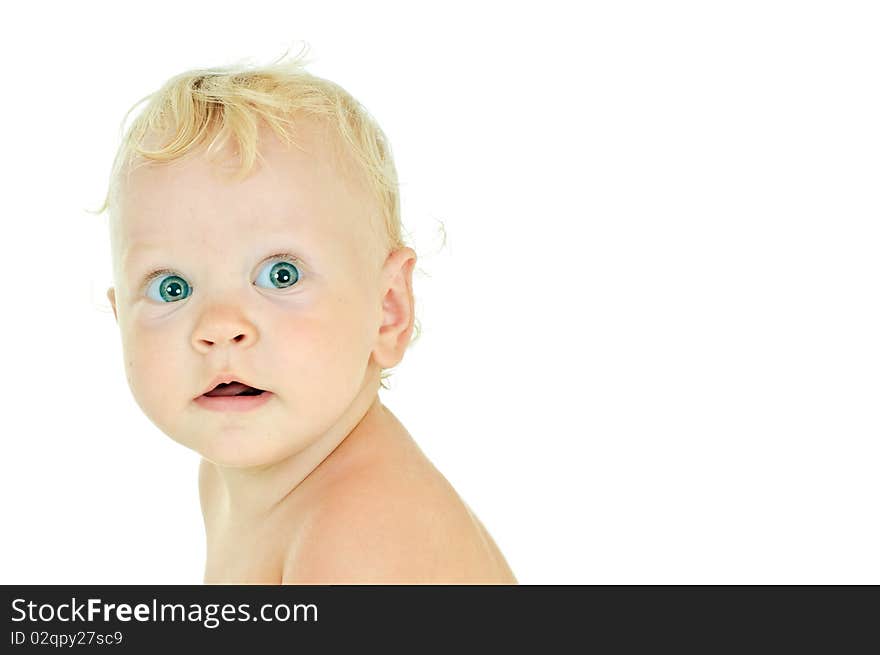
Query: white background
{"points": [[650, 348]]}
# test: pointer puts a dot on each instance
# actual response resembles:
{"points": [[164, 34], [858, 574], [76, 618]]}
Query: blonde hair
{"points": [[232, 102]]}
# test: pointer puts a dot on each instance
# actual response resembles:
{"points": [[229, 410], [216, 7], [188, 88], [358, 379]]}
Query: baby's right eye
{"points": [[168, 288]]}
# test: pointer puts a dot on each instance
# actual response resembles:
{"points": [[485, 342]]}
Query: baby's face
{"points": [[275, 280]]}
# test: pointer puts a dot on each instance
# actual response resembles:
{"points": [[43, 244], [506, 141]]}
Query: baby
{"points": [[259, 304]]}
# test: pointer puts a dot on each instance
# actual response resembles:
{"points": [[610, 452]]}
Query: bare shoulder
{"points": [[400, 523]]}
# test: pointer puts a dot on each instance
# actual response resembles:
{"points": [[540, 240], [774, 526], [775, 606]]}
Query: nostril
{"points": [[235, 339]]}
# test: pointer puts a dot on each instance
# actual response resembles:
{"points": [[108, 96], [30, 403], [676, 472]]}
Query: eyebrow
{"points": [[138, 253], [139, 246], [132, 250]]}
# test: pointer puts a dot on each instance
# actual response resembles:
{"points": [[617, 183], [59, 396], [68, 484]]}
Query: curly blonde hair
{"points": [[233, 102]]}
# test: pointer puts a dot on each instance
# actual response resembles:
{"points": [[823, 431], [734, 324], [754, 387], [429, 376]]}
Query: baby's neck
{"points": [[243, 508]]}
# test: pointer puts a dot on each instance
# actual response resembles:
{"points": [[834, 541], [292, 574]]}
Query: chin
{"points": [[240, 450]]}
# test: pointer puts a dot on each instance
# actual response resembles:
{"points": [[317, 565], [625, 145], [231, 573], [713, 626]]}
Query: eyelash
{"points": [[281, 256]]}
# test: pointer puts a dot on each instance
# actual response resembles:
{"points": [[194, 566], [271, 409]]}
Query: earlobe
{"points": [[397, 308], [111, 296]]}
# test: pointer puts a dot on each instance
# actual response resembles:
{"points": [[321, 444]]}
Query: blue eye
{"points": [[168, 288], [278, 275]]}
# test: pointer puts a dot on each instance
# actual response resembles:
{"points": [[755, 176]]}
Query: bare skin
{"points": [[303, 540], [321, 484]]}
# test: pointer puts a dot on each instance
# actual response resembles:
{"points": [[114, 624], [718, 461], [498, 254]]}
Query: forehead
{"points": [[312, 192]]}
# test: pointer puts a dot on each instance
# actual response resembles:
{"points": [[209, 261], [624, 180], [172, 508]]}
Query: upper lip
{"points": [[226, 378]]}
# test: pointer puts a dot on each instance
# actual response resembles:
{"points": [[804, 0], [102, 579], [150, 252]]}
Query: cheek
{"points": [[328, 348], [153, 369]]}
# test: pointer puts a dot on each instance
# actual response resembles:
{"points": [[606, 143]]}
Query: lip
{"points": [[233, 403], [226, 378]]}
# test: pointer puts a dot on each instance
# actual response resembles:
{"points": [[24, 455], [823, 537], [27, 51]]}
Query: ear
{"points": [[111, 296], [398, 308]]}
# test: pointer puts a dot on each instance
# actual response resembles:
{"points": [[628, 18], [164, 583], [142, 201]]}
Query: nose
{"points": [[219, 328]]}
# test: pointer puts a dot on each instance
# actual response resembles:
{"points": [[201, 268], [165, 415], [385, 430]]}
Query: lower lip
{"points": [[233, 403]]}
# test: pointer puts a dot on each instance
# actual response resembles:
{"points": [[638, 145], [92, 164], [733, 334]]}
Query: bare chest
{"points": [[245, 554], [236, 561]]}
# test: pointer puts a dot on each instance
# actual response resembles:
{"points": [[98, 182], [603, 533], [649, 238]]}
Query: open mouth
{"points": [[233, 389]]}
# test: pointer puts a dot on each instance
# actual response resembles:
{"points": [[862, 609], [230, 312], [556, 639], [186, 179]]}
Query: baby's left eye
{"points": [[278, 275]]}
